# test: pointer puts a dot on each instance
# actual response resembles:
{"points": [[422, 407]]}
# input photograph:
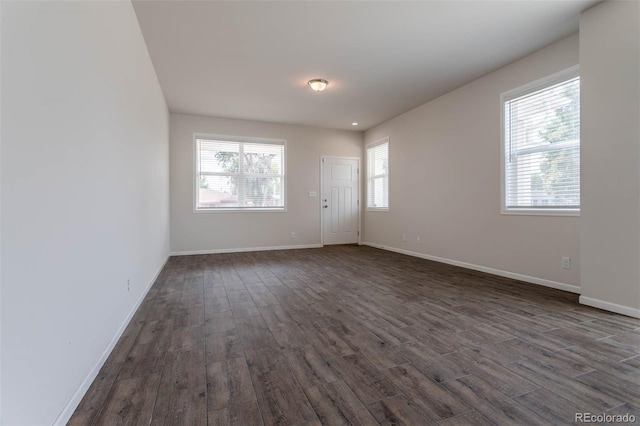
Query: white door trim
{"points": [[322, 158]]}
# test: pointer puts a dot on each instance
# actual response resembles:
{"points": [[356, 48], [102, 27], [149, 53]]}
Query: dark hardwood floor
{"points": [[359, 336]]}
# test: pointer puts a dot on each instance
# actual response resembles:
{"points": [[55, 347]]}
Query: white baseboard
{"points": [[612, 307], [243, 249], [75, 400], [526, 278]]}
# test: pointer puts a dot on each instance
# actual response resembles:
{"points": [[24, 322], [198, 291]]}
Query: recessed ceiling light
{"points": [[354, 124], [318, 84]]}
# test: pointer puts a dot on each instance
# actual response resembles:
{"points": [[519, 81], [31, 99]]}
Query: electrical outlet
{"points": [[418, 239], [128, 285], [404, 238], [293, 234], [565, 263]]}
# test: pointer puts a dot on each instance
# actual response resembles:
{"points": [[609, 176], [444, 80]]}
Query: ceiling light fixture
{"points": [[318, 84], [354, 124]]}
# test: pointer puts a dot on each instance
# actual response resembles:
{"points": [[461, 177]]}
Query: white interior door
{"points": [[340, 200]]}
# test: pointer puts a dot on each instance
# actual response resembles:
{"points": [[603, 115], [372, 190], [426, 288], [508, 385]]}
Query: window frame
{"points": [[239, 139], [379, 142], [540, 84]]}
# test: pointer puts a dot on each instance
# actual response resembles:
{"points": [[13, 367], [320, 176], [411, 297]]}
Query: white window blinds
{"points": [[542, 146], [378, 175], [240, 174]]}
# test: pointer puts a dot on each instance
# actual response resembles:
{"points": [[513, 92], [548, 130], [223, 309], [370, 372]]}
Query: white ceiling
{"points": [[252, 60]]}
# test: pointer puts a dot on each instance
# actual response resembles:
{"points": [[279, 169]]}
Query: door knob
{"points": [[325, 206]]}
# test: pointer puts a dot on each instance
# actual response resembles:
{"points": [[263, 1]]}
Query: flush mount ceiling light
{"points": [[318, 84]]}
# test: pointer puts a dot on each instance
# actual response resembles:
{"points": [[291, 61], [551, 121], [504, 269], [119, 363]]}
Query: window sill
{"points": [[541, 212], [377, 209], [231, 210]]}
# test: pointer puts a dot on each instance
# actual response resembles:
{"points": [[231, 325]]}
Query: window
{"points": [[239, 174], [378, 175], [541, 146]]}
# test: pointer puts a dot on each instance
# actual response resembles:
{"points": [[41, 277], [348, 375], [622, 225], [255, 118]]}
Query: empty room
{"points": [[319, 212]]}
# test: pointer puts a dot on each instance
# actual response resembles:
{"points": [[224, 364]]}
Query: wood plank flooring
{"points": [[348, 335]]}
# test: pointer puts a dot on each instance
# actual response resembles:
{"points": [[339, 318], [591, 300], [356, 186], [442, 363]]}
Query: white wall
{"points": [[445, 181], [85, 200], [0, 216], [209, 232], [610, 156]]}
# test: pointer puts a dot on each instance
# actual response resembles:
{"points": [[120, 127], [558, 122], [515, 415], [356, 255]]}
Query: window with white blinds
{"points": [[378, 175], [541, 146], [233, 173]]}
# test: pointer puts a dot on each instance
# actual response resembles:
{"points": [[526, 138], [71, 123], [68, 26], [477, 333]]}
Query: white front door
{"points": [[340, 200]]}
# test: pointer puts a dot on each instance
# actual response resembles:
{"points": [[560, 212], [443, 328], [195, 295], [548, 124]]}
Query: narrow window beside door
{"points": [[378, 175]]}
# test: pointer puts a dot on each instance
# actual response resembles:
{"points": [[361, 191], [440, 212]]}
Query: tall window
{"points": [[233, 173], [378, 175], [541, 146]]}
